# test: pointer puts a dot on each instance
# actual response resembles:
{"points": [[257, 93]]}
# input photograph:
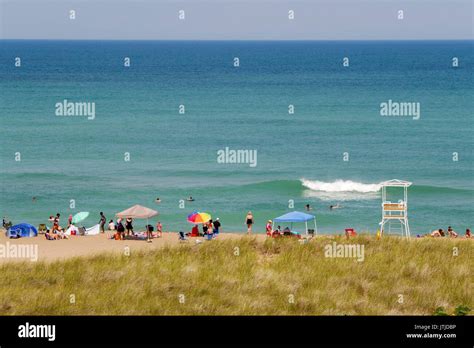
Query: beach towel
{"points": [[94, 230], [72, 231]]}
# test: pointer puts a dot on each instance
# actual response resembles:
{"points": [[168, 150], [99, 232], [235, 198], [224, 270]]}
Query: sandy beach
{"points": [[95, 245]]}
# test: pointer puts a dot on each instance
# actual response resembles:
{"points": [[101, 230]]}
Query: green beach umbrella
{"points": [[80, 216]]}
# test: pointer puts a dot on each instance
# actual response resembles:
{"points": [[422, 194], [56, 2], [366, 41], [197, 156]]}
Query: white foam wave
{"points": [[340, 189]]}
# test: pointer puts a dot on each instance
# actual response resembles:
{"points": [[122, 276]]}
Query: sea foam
{"points": [[340, 186]]}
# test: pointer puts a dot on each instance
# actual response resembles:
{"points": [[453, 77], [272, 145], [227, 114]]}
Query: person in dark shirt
{"points": [[217, 225]]}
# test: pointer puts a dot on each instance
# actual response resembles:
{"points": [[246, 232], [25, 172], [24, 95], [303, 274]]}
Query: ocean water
{"points": [[300, 156]]}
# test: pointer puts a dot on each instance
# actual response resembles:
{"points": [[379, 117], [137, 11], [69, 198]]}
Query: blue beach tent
{"points": [[297, 216], [22, 230]]}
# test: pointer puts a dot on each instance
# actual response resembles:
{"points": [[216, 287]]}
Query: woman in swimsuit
{"points": [[129, 226], [249, 222]]}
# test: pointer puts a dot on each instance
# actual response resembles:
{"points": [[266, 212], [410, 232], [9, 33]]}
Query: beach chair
{"points": [[42, 229], [182, 237]]}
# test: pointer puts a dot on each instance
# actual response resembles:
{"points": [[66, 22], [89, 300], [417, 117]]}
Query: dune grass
{"points": [[249, 277]]}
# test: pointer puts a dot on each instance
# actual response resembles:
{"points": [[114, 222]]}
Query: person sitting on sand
{"points": [[111, 225], [51, 236], [437, 233], [268, 228], [194, 232], [204, 229], [451, 233], [350, 232], [278, 230]]}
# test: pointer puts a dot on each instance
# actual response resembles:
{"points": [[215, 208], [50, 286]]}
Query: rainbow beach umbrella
{"points": [[198, 218]]}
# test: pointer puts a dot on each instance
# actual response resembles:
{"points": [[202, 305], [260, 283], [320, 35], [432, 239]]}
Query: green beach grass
{"points": [[246, 276]]}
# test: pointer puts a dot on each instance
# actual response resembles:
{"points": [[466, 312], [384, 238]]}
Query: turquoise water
{"points": [[299, 156]]}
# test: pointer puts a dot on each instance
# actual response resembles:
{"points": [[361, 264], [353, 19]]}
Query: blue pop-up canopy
{"points": [[297, 216], [22, 230]]}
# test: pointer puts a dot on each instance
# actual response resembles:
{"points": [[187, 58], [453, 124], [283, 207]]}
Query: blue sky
{"points": [[237, 19]]}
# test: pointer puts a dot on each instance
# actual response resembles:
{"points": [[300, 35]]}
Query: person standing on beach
{"points": [[102, 222], [159, 229], [268, 228], [69, 220], [217, 225], [210, 227], [120, 229], [249, 222], [129, 226]]}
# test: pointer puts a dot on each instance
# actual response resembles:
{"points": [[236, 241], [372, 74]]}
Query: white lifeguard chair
{"points": [[395, 212]]}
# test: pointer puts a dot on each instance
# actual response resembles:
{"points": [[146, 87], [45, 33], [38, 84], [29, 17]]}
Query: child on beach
{"points": [[249, 222]]}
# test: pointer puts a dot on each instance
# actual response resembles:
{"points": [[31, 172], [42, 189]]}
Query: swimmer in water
{"points": [[157, 200], [190, 199], [308, 207], [335, 206]]}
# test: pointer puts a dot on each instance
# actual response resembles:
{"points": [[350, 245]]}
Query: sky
{"points": [[237, 19]]}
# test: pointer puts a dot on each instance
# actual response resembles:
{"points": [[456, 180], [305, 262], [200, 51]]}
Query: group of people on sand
{"points": [[56, 231], [210, 229], [278, 232], [124, 230], [449, 233]]}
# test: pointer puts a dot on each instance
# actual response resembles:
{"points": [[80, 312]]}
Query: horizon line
{"points": [[246, 40]]}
